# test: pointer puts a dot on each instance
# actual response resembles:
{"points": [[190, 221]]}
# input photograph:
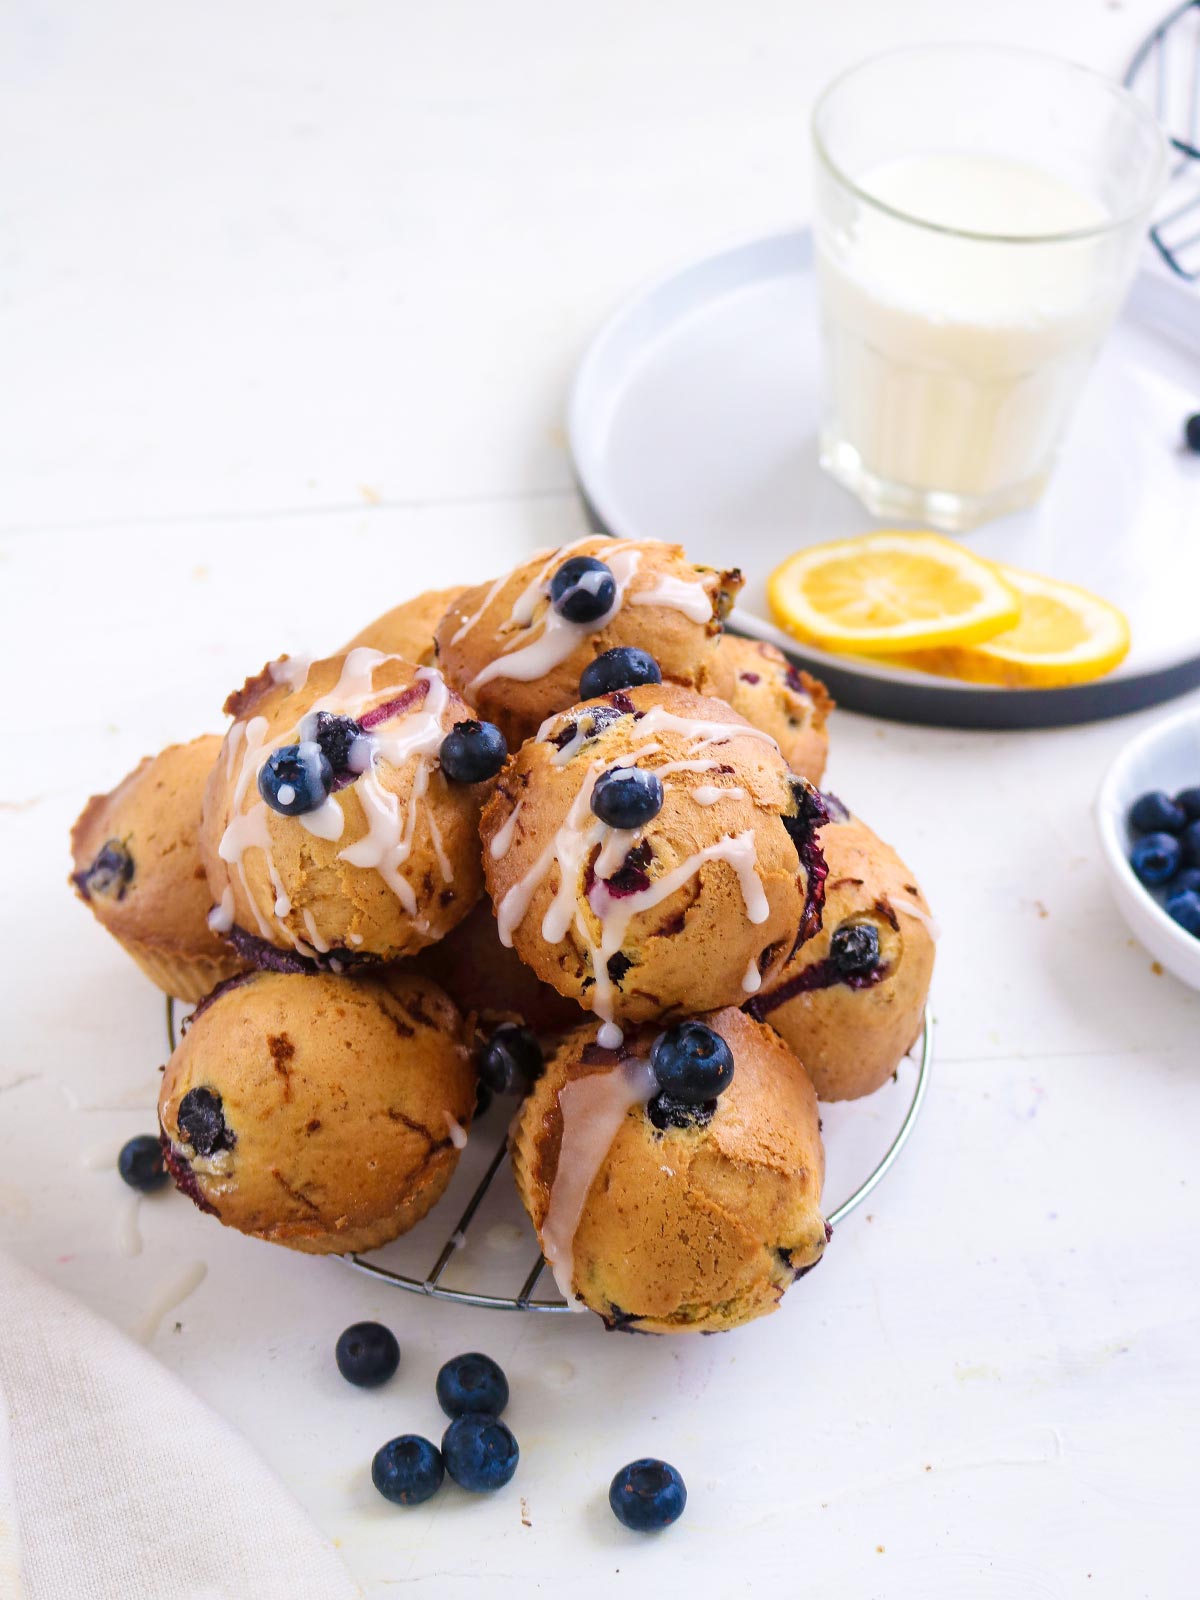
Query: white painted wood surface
{"points": [[289, 296]]}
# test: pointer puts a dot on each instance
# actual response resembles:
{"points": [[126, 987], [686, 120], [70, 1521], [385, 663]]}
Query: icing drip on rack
{"points": [[593, 1109]]}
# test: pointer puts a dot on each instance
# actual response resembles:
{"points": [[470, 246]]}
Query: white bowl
{"points": [[1166, 756]]}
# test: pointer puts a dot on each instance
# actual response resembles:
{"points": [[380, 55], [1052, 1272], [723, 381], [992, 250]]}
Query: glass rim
{"points": [[1117, 92]]}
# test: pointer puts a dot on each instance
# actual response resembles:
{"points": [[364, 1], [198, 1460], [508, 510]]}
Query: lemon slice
{"points": [[1064, 635], [887, 592]]}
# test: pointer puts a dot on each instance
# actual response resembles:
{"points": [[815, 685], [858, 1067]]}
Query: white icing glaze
{"points": [[220, 918], [458, 1134], [503, 837], [580, 832], [525, 660], [911, 910], [292, 670], [388, 841], [310, 927], [691, 598], [752, 982], [593, 1109], [462, 632], [707, 794]]}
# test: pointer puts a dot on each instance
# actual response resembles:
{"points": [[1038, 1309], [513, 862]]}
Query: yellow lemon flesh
{"points": [[1063, 636], [886, 593]]}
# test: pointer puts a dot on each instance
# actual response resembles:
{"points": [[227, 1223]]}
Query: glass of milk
{"points": [[979, 214]]}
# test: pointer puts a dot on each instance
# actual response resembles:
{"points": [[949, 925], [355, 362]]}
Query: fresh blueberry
{"points": [[1189, 878], [110, 873], [647, 1494], [692, 1063], [336, 737], [1190, 840], [627, 797], [854, 948], [621, 668], [1191, 433], [141, 1163], [472, 1382], [1189, 801], [480, 1452], [472, 752], [367, 1354], [201, 1121], [1184, 907], [296, 778], [408, 1470], [1156, 812], [583, 589], [1156, 858], [510, 1061]]}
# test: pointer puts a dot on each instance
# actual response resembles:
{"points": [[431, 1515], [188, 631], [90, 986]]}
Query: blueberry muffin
{"points": [[322, 1113], [760, 682], [137, 866], [516, 648], [649, 854], [489, 979], [334, 832], [407, 630], [675, 1184], [851, 1002]]}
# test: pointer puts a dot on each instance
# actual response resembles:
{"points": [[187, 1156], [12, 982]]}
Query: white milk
{"points": [[952, 364]]}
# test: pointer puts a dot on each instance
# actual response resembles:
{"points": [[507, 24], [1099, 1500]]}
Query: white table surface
{"points": [[289, 297]]}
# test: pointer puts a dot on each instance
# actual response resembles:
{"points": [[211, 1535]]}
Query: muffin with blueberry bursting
{"points": [[407, 630], [649, 854], [851, 1001], [760, 683], [516, 648], [675, 1183], [341, 819], [137, 867], [318, 1112]]}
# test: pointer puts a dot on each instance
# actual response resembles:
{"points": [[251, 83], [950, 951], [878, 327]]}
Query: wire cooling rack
{"points": [[487, 1200], [1165, 73]]}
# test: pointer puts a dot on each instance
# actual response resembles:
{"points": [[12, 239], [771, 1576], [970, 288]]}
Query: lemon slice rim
{"points": [[998, 610]]}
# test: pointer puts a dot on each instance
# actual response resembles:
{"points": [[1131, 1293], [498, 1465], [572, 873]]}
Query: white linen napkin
{"points": [[117, 1483]]}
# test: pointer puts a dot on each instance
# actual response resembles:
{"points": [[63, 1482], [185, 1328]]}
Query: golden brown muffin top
{"points": [[507, 650], [390, 860], [312, 1108], [136, 852], [407, 630]]}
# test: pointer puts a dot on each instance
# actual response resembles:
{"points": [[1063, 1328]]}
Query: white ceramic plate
{"points": [[694, 417], [1166, 756]]}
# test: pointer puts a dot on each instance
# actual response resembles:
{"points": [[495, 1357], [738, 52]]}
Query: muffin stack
{"points": [[558, 828]]}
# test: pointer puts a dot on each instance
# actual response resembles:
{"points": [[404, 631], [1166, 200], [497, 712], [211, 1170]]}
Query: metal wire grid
{"points": [[1165, 73], [432, 1286]]}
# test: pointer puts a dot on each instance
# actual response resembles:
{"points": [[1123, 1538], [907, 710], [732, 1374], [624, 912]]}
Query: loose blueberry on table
{"points": [[647, 1495], [627, 797], [367, 1354], [510, 1062], [623, 667], [472, 1383], [296, 778], [408, 1470], [140, 1163], [583, 589], [472, 752], [480, 1452]]}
